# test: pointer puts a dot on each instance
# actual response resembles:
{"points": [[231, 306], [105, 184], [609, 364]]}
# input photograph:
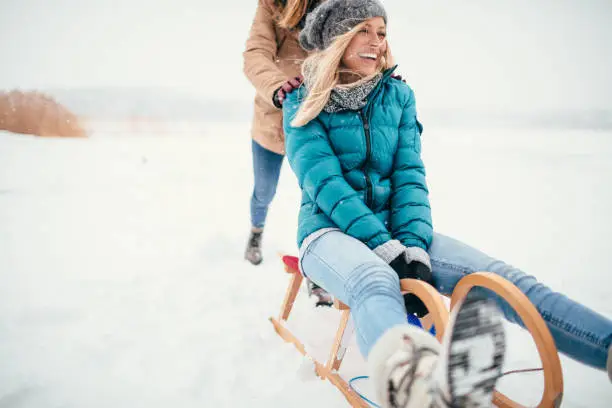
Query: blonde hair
{"points": [[322, 71], [292, 13]]}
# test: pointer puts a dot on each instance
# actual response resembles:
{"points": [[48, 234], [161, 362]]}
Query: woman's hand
{"points": [[398, 77], [281, 93], [408, 263], [408, 268]]}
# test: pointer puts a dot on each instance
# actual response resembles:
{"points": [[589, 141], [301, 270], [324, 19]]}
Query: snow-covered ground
{"points": [[122, 282]]}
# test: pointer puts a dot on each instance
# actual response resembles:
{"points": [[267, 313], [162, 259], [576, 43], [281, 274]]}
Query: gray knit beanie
{"points": [[336, 17]]}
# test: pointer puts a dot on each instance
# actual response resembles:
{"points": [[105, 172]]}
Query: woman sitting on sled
{"points": [[348, 147], [353, 141]]}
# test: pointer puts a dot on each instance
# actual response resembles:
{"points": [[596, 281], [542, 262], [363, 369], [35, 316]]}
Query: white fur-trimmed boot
{"points": [[401, 364], [321, 296], [411, 369]]}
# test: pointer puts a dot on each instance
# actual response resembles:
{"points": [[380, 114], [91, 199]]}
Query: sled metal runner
{"points": [[438, 317]]}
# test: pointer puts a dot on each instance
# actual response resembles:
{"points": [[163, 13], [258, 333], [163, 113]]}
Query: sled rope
{"points": [[363, 397], [521, 371]]}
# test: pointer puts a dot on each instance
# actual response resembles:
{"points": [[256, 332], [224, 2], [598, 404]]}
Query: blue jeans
{"points": [[350, 271], [266, 170]]}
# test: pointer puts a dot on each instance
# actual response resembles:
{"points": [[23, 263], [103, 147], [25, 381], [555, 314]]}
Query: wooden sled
{"points": [[438, 316]]}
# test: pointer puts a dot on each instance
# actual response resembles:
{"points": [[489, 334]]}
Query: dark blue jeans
{"points": [[266, 170]]}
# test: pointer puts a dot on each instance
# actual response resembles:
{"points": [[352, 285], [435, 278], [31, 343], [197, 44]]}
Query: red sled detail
{"points": [[291, 264]]}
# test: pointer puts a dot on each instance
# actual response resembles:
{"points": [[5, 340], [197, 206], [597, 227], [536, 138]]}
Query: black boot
{"points": [[323, 297], [253, 249]]}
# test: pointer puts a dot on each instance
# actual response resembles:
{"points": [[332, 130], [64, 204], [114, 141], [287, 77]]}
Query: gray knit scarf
{"points": [[353, 98]]}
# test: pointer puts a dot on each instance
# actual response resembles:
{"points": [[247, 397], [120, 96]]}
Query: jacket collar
{"points": [[385, 78], [388, 72]]}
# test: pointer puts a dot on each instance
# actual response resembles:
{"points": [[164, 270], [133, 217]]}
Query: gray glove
{"points": [[390, 250], [408, 263]]}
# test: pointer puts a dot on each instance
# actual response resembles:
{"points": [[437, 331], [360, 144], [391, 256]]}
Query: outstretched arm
{"points": [[260, 53]]}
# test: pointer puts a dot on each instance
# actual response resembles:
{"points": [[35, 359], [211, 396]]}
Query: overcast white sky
{"points": [[517, 54]]}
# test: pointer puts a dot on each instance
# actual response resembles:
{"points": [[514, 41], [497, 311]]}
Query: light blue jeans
{"points": [[350, 271]]}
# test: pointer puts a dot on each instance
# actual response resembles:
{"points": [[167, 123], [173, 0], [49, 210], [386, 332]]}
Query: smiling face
{"points": [[364, 53]]}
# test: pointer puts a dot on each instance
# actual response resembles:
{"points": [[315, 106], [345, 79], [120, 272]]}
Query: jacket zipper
{"points": [[366, 129]]}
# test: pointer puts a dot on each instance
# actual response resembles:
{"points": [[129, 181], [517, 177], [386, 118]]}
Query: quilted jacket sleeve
{"points": [[260, 53], [320, 176], [410, 211]]}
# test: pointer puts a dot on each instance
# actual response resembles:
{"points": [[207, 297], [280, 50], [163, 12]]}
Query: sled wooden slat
{"points": [[292, 291], [438, 315], [339, 305], [553, 376], [339, 347]]}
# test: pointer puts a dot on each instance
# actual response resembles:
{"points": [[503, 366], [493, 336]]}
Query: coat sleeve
{"points": [[260, 53], [410, 210], [320, 176]]}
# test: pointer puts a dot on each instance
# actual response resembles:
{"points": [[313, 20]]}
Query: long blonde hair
{"points": [[292, 13], [322, 71]]}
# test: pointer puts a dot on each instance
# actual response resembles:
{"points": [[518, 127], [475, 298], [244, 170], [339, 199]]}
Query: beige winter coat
{"points": [[272, 56]]}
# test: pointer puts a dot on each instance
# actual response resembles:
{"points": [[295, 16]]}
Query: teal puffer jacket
{"points": [[361, 171]]}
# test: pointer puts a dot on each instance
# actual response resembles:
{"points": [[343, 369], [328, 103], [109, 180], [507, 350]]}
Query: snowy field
{"points": [[123, 284]]}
